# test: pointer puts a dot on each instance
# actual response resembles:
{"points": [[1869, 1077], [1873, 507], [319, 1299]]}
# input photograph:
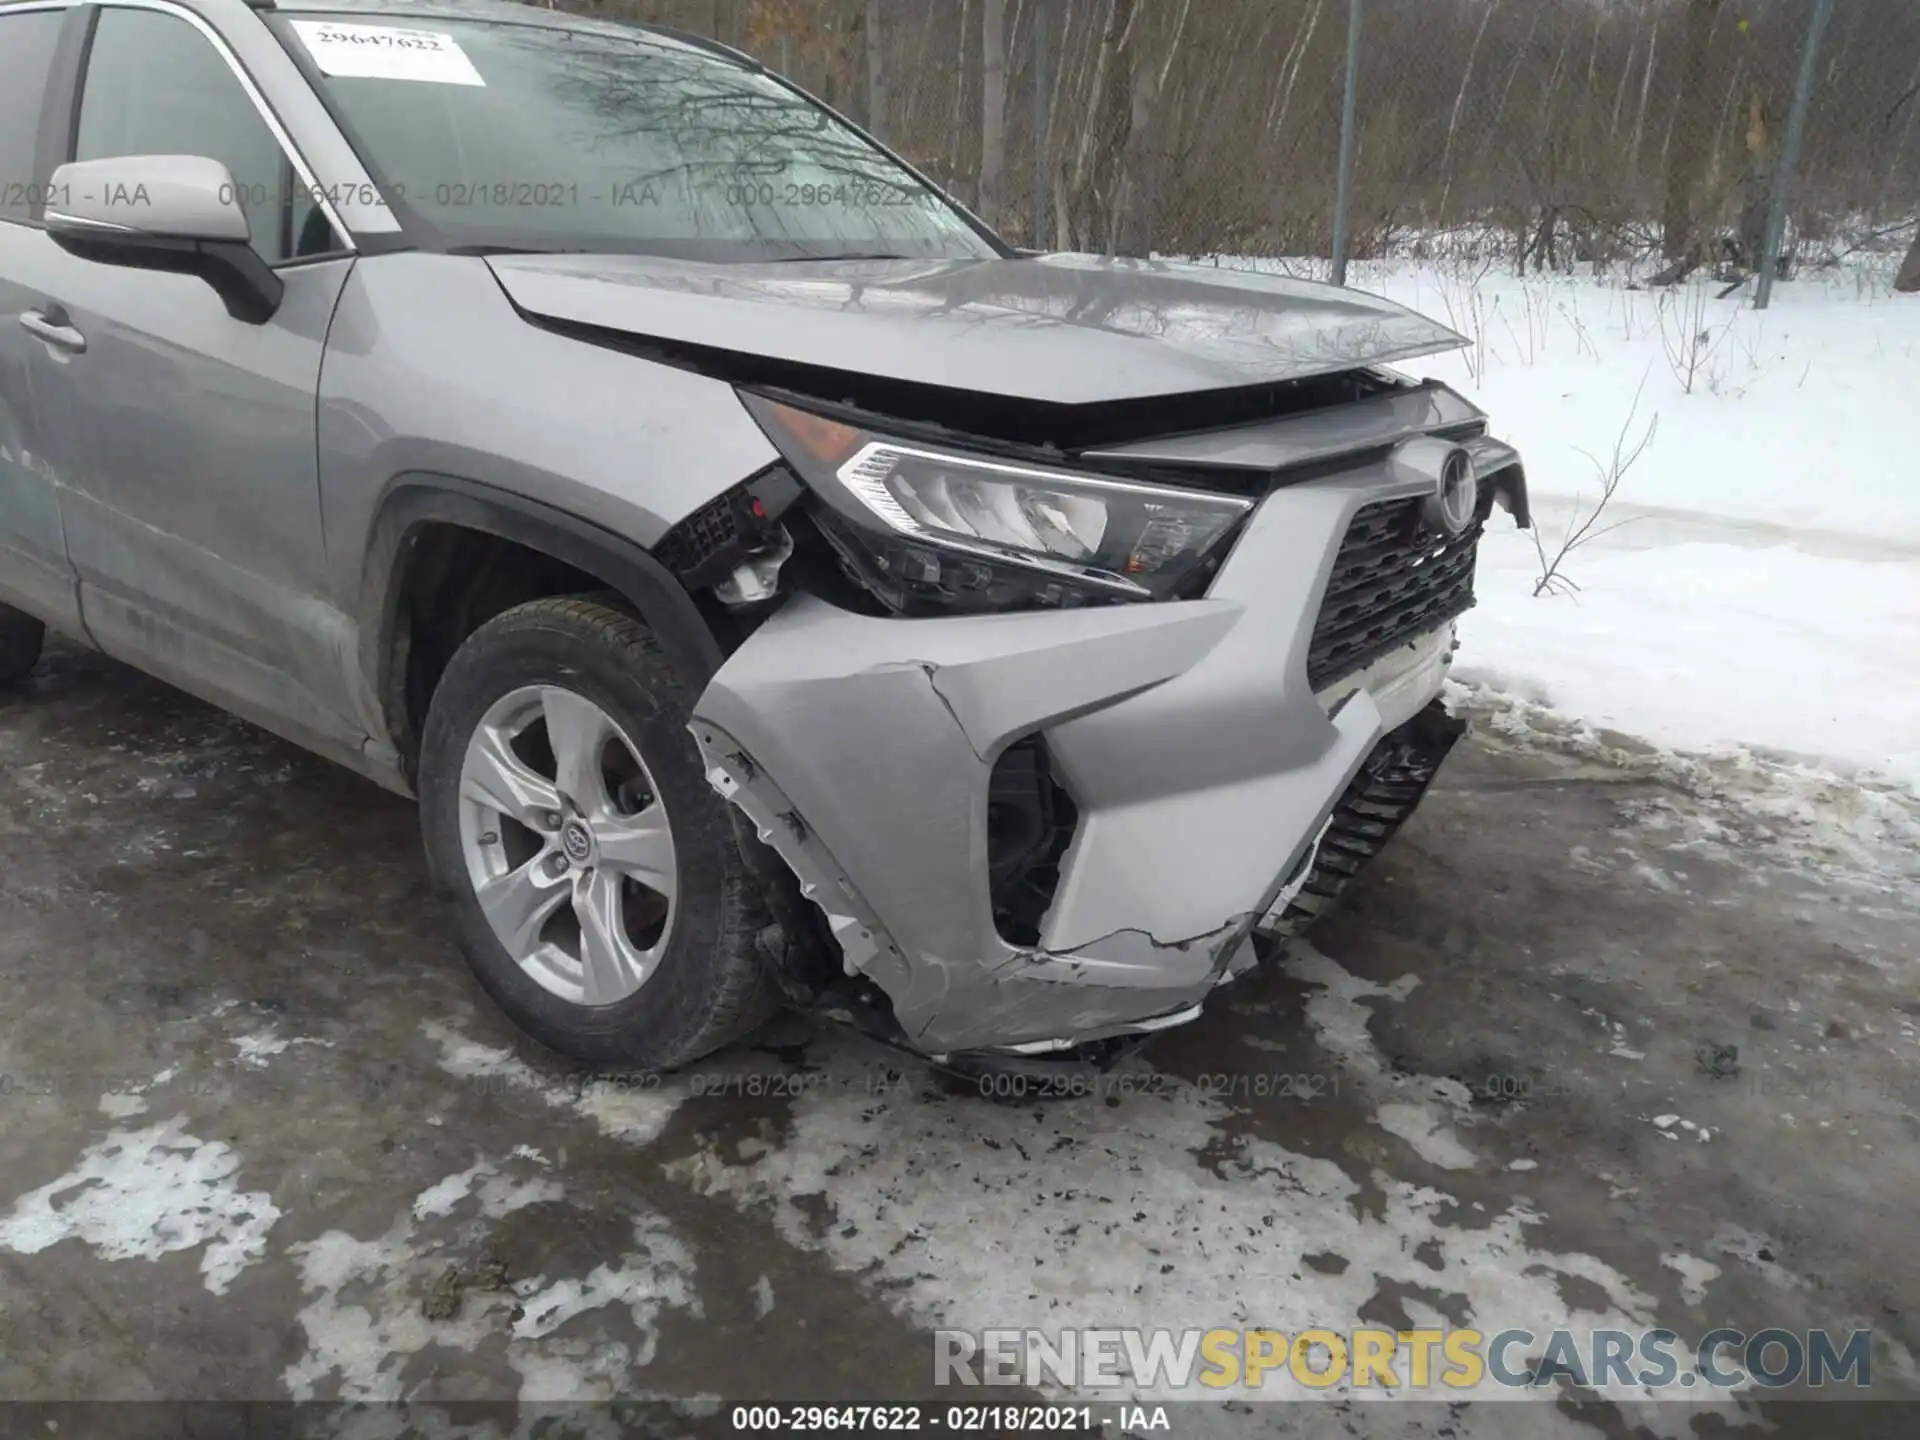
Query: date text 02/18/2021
{"points": [[952, 1419]]}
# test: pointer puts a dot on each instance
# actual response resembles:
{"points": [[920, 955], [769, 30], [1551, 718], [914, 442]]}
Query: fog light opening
{"points": [[1030, 825]]}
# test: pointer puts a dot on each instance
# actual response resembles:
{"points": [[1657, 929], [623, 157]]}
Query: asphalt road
{"points": [[1586, 1046]]}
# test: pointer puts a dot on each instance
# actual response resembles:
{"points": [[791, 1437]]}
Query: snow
{"points": [[1700, 645], [142, 1194], [1763, 595], [1762, 598]]}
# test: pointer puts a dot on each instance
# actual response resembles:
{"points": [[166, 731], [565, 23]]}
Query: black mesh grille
{"points": [[1393, 581]]}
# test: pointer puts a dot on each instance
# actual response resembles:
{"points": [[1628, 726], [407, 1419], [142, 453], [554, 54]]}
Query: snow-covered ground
{"points": [[1764, 595], [1764, 591]]}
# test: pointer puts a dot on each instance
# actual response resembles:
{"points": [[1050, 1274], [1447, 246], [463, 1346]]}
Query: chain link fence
{"points": [[1547, 133]]}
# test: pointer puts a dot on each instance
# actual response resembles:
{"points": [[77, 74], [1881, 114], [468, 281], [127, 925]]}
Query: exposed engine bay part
{"points": [[756, 579], [740, 526]]}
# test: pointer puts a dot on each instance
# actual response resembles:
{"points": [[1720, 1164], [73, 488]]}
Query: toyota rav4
{"points": [[770, 583]]}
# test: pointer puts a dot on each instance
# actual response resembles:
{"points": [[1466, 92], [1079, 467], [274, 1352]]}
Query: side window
{"points": [[27, 43], [156, 86]]}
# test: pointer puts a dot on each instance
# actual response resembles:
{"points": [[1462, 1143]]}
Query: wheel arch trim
{"points": [[416, 499]]}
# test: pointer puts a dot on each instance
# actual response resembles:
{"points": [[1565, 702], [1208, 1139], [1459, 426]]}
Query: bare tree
{"points": [[1106, 101], [1576, 130], [876, 70], [993, 110], [1646, 90], [1459, 100], [1908, 279], [1691, 147], [1135, 185]]}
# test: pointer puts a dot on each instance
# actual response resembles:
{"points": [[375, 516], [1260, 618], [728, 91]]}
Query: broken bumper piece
{"points": [[1201, 766]]}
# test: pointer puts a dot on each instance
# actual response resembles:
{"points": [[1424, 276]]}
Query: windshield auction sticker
{"points": [[386, 52]]}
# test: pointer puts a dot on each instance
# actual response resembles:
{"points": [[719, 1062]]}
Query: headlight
{"points": [[950, 520]]}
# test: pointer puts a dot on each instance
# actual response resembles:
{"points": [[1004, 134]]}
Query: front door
{"points": [[34, 574], [191, 498]]}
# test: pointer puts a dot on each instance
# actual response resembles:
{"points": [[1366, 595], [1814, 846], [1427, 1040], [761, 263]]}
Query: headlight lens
{"points": [[1123, 539]]}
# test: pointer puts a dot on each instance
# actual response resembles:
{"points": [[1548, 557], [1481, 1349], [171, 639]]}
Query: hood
{"points": [[1056, 329]]}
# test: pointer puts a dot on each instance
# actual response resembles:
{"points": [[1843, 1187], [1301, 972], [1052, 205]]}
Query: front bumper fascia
{"points": [[1203, 765]]}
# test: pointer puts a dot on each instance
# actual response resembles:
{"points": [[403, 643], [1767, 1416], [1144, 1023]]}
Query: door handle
{"points": [[51, 326]]}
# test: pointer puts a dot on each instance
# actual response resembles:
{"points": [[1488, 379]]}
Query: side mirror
{"points": [[178, 213]]}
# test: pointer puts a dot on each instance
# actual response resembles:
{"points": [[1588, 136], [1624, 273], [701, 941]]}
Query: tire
{"points": [[706, 984], [21, 637]]}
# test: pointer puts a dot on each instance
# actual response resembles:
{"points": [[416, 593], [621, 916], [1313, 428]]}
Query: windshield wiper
{"points": [[822, 259]]}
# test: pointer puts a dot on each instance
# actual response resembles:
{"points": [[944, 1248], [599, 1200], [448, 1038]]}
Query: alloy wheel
{"points": [[567, 844]]}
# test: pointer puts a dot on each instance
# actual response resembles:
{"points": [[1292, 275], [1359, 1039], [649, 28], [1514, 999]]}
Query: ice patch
{"points": [[256, 1049], [497, 1194], [1731, 800], [138, 1195], [1695, 1274], [636, 1116], [1339, 1021], [646, 1282], [1155, 1211], [1658, 878], [365, 1319], [1427, 1132]]}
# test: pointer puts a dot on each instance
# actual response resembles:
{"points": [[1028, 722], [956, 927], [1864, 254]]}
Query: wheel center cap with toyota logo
{"points": [[577, 841]]}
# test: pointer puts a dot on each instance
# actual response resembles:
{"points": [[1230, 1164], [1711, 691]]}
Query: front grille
{"points": [[1393, 581]]}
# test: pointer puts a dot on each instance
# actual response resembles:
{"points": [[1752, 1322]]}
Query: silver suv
{"points": [[771, 584]]}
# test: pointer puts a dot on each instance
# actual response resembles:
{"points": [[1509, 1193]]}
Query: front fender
{"points": [[420, 499]]}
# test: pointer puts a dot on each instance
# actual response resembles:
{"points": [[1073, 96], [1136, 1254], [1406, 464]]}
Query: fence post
{"points": [[1349, 137], [1042, 98], [1789, 162]]}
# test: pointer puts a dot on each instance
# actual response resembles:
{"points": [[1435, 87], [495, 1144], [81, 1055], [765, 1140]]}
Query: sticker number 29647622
{"points": [[386, 52]]}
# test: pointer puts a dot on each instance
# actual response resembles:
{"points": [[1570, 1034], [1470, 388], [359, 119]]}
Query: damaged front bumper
{"points": [[1203, 766]]}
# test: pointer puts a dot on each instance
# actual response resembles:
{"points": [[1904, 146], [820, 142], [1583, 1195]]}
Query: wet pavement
{"points": [[1600, 1040]]}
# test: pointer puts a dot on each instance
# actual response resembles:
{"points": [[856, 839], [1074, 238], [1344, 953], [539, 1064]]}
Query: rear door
{"points": [[34, 574], [191, 501]]}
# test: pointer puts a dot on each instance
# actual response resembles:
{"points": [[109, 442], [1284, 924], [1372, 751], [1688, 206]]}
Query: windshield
{"points": [[489, 135]]}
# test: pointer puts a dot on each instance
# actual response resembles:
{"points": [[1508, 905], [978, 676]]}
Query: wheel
{"points": [[594, 879], [21, 637]]}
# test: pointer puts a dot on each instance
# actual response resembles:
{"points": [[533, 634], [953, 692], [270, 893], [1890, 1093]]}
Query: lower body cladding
{"points": [[1186, 764]]}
